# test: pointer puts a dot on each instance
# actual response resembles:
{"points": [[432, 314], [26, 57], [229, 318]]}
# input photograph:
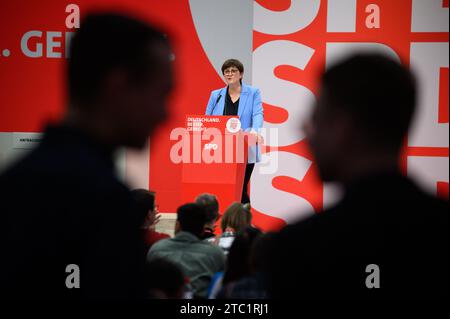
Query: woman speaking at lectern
{"points": [[244, 101]]}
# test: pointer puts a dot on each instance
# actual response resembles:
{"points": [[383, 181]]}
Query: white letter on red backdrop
{"points": [[24, 44], [429, 16], [341, 16], [299, 15], [278, 203], [427, 59], [295, 98]]}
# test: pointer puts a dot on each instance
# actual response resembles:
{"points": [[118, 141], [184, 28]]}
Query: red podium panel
{"points": [[217, 159]]}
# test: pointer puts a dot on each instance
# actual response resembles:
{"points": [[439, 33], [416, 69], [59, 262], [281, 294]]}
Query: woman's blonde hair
{"points": [[237, 216]]}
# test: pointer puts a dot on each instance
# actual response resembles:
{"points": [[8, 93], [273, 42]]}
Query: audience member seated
{"points": [[198, 259], [254, 285], [145, 202], [164, 280], [236, 218], [63, 203], [238, 260], [211, 205], [386, 238]]}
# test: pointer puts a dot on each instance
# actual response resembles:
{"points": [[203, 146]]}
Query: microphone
{"points": [[217, 101]]}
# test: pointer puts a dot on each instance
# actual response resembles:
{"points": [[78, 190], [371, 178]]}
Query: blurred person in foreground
{"points": [[386, 237], [63, 204]]}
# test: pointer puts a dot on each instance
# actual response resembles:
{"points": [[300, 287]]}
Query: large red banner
{"points": [[293, 41]]}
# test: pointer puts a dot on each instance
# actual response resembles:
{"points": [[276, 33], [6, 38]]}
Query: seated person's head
{"points": [[361, 117], [191, 218], [211, 205], [145, 206], [236, 217], [163, 280], [119, 77], [238, 261]]}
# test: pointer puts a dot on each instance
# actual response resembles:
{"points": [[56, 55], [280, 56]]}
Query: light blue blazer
{"points": [[250, 112]]}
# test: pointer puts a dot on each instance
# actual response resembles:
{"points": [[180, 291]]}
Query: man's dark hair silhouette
{"points": [[63, 204], [191, 218], [359, 123]]}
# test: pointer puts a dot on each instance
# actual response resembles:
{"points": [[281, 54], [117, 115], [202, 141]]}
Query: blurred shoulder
{"points": [[218, 91], [161, 244]]}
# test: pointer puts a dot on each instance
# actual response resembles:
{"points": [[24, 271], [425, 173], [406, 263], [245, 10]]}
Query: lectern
{"points": [[216, 158]]}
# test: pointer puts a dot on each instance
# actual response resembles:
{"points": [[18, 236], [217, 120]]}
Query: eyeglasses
{"points": [[230, 71]]}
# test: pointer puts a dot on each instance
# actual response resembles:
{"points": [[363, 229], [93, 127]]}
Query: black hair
{"points": [[211, 205], [233, 62], [144, 201], [104, 42], [379, 94], [192, 218]]}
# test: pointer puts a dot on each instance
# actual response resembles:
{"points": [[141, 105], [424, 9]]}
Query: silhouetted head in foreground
{"points": [[361, 118], [119, 77]]}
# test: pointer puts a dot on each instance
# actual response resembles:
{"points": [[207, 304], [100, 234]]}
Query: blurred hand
{"points": [[154, 218], [258, 138]]}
